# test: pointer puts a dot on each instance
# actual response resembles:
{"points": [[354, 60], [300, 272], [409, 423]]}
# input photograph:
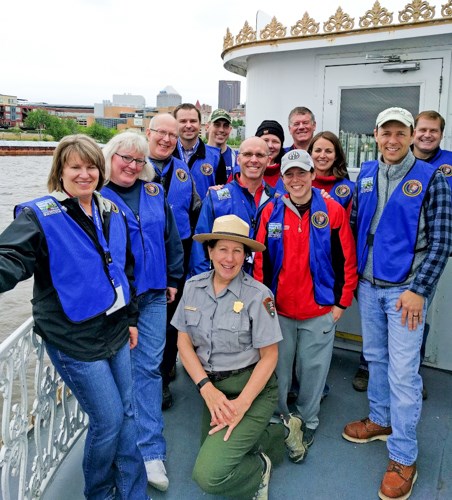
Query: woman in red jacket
{"points": [[310, 265]]}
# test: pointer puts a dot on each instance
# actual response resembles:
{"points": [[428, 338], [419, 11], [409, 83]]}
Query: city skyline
{"points": [[103, 47]]}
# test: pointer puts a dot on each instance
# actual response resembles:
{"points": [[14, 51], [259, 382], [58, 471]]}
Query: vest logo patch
{"points": [[151, 189], [319, 219], [206, 169], [48, 207], [274, 230], [412, 188], [446, 169], [367, 185], [181, 174], [223, 194], [342, 191], [269, 306]]}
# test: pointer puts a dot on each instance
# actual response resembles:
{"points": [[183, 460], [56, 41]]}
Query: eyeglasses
{"points": [[259, 156], [129, 159], [163, 133]]}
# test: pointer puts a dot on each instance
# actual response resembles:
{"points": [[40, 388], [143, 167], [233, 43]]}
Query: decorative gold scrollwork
{"points": [[377, 15], [228, 40], [339, 22], [246, 34], [446, 10], [416, 10], [273, 30], [306, 25]]}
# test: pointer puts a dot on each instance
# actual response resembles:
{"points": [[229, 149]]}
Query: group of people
{"points": [[243, 262]]}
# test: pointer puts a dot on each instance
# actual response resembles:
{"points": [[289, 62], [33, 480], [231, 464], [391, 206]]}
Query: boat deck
{"points": [[334, 468]]}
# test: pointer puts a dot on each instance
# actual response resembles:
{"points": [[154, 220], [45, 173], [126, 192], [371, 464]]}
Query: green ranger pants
{"points": [[233, 468]]}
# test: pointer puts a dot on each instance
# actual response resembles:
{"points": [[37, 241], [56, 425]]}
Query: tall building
{"points": [[228, 94], [168, 97]]}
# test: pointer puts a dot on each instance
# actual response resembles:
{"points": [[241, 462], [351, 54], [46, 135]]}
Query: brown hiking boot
{"points": [[398, 481], [364, 431]]}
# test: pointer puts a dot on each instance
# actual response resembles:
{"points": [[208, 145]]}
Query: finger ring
{"points": [[415, 315]]}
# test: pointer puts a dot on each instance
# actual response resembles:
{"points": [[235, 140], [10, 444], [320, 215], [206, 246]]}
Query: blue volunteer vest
{"points": [[230, 160], [320, 262], [179, 194], [395, 238], [203, 170], [443, 162], [342, 192], [233, 199], [147, 235], [77, 268]]}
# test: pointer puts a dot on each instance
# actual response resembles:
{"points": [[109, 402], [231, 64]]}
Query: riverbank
{"points": [[27, 148]]}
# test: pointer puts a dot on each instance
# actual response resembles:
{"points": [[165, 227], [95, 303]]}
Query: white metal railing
{"points": [[40, 419]]}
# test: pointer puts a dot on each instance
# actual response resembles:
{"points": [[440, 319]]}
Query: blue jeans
{"points": [[147, 381], [393, 354], [104, 391]]}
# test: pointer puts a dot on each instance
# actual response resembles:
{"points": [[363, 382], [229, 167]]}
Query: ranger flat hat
{"points": [[233, 228]]}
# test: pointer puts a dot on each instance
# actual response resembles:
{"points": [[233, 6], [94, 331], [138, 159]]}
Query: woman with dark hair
{"points": [[273, 134], [75, 243], [330, 168]]}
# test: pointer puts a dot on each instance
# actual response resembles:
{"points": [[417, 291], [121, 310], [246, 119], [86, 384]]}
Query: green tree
{"points": [[60, 127], [38, 119], [237, 123], [99, 132]]}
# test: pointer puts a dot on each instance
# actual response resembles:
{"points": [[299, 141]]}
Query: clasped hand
{"points": [[224, 412]]}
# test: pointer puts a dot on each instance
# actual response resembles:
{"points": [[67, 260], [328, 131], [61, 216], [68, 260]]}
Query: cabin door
{"points": [[356, 93]]}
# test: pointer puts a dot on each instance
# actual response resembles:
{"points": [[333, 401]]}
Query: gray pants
{"points": [[310, 344]]}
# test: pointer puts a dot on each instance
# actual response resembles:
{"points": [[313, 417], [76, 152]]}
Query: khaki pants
{"points": [[233, 468]]}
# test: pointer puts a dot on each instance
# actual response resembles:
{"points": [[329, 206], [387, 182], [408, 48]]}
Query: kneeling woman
{"points": [[228, 335]]}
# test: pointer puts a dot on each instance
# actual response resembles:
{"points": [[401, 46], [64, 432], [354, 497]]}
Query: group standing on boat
{"points": [[282, 239]]}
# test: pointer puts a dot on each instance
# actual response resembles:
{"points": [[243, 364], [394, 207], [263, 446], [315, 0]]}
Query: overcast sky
{"points": [[84, 51]]}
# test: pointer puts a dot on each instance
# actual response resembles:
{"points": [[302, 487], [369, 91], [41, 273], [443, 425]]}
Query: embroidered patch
{"points": [[269, 305], [367, 184], [238, 306], [223, 194], [412, 188], [181, 174], [293, 155], [342, 190], [151, 189], [274, 229], [48, 207], [206, 169], [319, 219], [114, 208], [446, 169]]}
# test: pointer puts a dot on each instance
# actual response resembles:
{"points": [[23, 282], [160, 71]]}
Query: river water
{"points": [[22, 178]]}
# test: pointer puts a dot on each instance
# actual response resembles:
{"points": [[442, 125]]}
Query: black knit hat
{"points": [[271, 127]]}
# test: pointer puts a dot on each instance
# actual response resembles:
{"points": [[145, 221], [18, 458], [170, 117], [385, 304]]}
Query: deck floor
{"points": [[334, 468]]}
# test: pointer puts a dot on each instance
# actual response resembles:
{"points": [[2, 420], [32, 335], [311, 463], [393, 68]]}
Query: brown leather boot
{"points": [[364, 431], [398, 481]]}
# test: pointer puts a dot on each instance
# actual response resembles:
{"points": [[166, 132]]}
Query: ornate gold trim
{"points": [[246, 34], [339, 22], [378, 15], [273, 30], [306, 25], [418, 9], [228, 40], [446, 10]]}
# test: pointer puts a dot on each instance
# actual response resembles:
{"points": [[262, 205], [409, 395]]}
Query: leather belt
{"points": [[218, 376]]}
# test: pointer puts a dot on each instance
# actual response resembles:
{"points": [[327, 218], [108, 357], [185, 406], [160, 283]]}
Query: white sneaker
{"points": [[156, 472]]}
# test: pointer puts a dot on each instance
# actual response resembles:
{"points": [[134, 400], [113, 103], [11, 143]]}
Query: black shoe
{"points": [[361, 380], [167, 398]]}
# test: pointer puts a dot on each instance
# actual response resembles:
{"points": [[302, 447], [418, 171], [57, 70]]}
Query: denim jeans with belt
{"points": [[147, 381], [104, 390], [393, 354]]}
